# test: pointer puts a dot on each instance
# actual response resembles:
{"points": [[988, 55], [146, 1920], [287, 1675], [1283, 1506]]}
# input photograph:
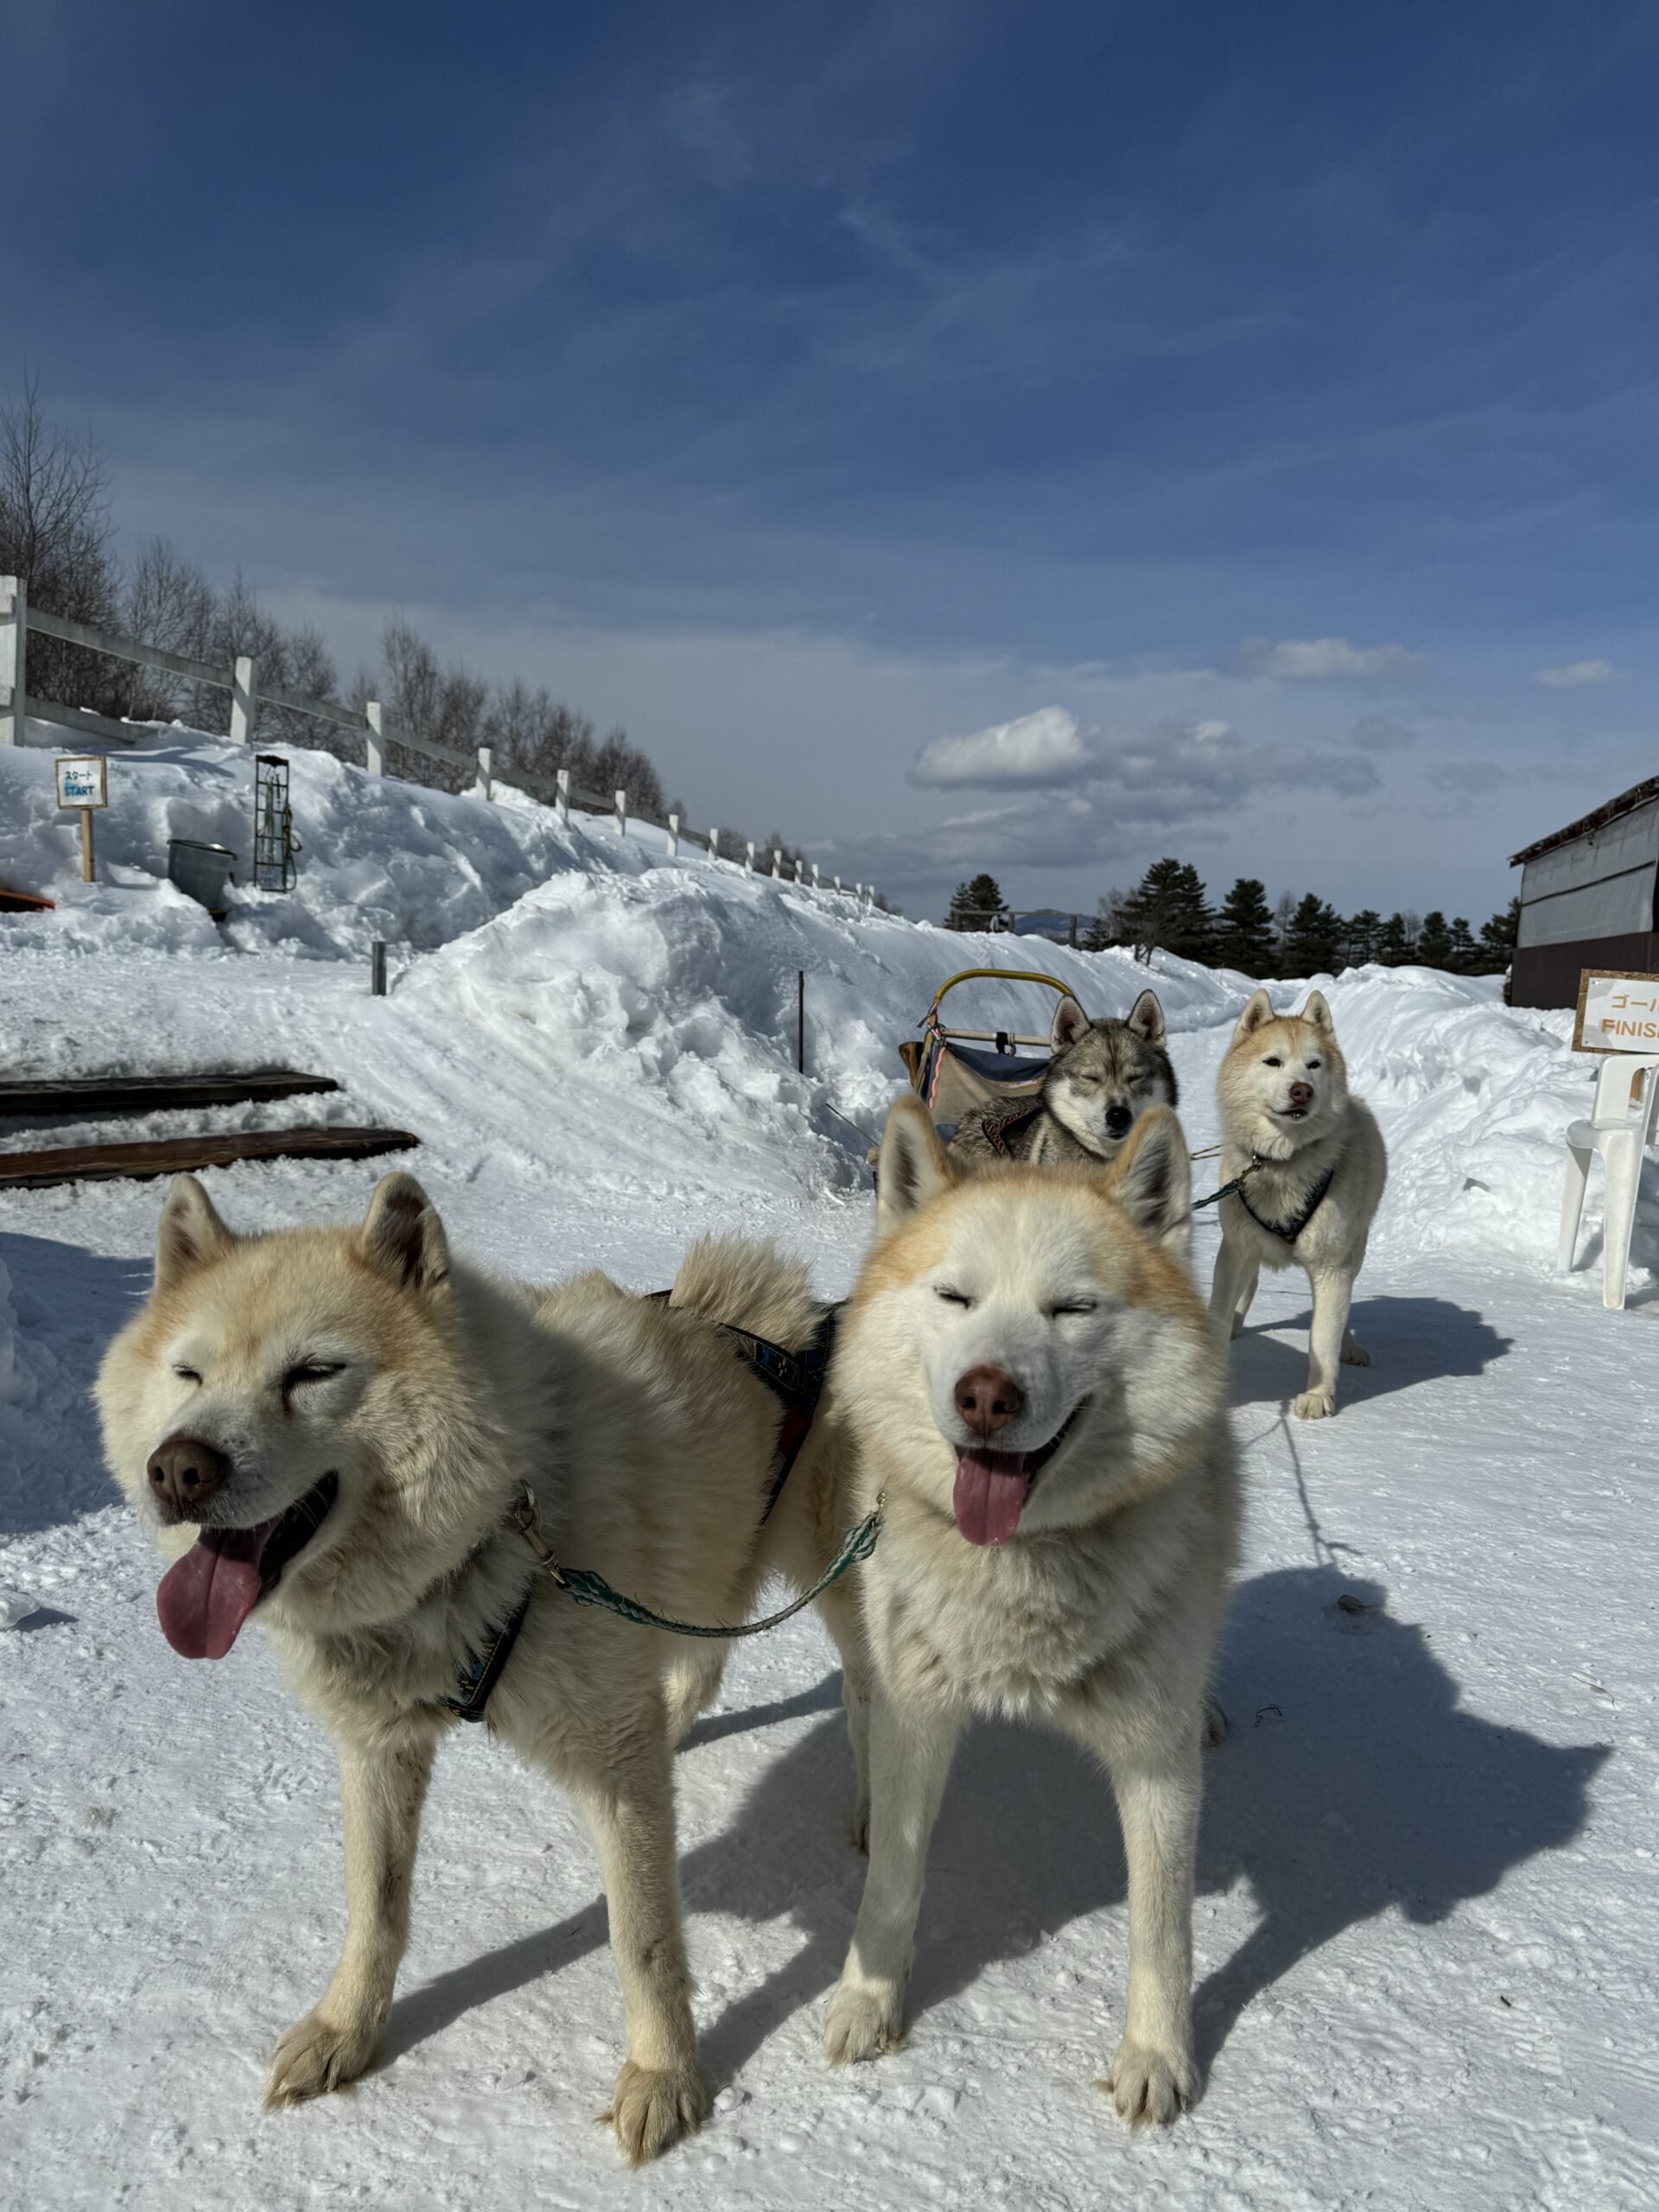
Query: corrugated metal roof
{"points": [[1626, 802]]}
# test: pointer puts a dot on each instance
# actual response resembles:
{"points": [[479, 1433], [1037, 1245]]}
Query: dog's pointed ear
{"points": [[912, 1169], [402, 1235], [1069, 1023], [1146, 1018], [1152, 1179], [1259, 1010], [191, 1231], [1318, 1013]]}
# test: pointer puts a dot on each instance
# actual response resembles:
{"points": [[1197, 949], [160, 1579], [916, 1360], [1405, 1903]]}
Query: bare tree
{"points": [[167, 602], [55, 533]]}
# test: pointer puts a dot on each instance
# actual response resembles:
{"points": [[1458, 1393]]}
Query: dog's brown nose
{"points": [[988, 1399], [184, 1472], [1301, 1094]]}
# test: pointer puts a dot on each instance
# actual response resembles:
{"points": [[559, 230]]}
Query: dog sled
{"points": [[955, 1072]]}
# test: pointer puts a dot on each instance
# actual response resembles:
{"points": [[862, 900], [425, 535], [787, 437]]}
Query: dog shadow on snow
{"points": [[1411, 1340], [1351, 1784]]}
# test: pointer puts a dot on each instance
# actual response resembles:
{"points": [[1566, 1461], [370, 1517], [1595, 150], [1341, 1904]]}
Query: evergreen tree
{"points": [[1465, 953], [1106, 929], [1244, 936], [1398, 946], [975, 906], [1435, 941], [1497, 939], [1362, 937], [1167, 907], [1313, 940]]}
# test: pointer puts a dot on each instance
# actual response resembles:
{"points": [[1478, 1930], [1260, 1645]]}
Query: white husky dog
{"points": [[334, 1430], [1026, 1375], [1312, 1165]]}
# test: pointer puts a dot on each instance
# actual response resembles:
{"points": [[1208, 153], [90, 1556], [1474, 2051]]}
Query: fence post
{"points": [[374, 744], [838, 883], [14, 638], [714, 844], [621, 814], [486, 758], [673, 833], [749, 861], [563, 800], [816, 885], [777, 863], [243, 702]]}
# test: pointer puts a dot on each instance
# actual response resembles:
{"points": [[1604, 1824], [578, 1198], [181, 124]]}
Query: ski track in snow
{"points": [[1426, 1922]]}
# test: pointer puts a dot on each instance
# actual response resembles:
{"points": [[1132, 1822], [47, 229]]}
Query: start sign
{"points": [[1618, 1013], [83, 780]]}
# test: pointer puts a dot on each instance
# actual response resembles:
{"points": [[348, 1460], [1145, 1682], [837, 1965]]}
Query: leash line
{"points": [[590, 1589]]}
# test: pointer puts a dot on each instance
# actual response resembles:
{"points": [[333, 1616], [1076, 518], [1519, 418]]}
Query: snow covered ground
{"points": [[1427, 1918]]}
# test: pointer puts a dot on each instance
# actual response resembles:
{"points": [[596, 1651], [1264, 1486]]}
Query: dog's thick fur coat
{"points": [[1289, 1119], [1097, 1610], [1102, 1076], [431, 1394]]}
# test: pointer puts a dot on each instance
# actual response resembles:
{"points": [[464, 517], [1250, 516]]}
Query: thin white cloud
{"points": [[1577, 673], [1376, 733], [1318, 660], [1037, 750]]}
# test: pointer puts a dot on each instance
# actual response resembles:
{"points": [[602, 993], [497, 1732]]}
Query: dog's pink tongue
{"points": [[990, 1494], [204, 1598]]}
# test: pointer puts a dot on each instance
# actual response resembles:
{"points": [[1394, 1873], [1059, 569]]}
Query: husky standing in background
{"points": [[344, 1431], [1310, 1163], [1104, 1074], [1027, 1377]]}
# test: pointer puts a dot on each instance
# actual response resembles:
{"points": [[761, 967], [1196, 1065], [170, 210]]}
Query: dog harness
{"points": [[795, 1377], [999, 1128], [1286, 1232]]}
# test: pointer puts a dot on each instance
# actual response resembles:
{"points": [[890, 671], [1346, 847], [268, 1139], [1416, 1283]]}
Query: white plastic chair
{"points": [[1620, 1127]]}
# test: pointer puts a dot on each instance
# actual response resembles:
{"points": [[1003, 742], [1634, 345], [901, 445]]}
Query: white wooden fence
{"points": [[247, 694]]}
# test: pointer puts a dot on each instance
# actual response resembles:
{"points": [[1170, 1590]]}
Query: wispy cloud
{"points": [[1577, 673], [1377, 734], [1471, 778], [1318, 660]]}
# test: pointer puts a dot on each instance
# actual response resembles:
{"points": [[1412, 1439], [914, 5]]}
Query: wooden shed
{"points": [[1587, 899]]}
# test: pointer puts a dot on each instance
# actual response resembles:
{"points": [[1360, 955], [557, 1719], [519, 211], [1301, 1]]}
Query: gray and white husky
{"points": [[1102, 1079]]}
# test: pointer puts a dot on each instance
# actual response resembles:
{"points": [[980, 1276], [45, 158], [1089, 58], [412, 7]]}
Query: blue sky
{"points": [[1221, 417]]}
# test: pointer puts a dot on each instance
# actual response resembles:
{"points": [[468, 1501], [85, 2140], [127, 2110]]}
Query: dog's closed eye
{"points": [[311, 1370], [953, 1297], [186, 1374]]}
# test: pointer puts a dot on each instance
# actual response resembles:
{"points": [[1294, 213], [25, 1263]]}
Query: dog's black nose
{"points": [[184, 1473], [987, 1398], [1119, 1119]]}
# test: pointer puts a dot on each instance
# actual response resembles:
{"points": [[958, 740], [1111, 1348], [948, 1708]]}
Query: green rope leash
{"points": [[1227, 1188], [590, 1589]]}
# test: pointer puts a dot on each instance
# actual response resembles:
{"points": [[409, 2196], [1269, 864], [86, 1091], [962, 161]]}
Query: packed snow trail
{"points": [[1426, 1918]]}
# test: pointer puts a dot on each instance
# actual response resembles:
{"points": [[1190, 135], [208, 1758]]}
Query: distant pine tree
{"points": [[1362, 937], [1244, 935], [1465, 953], [1398, 945], [1313, 941], [1167, 908], [974, 905], [1435, 941], [1497, 939]]}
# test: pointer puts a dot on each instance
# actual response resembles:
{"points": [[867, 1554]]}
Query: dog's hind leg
{"points": [[693, 1685], [910, 1758], [660, 2094], [382, 1789]]}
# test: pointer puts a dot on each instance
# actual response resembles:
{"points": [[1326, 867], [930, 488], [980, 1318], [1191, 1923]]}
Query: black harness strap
{"points": [[483, 1669], [1288, 1232], [999, 1128]]}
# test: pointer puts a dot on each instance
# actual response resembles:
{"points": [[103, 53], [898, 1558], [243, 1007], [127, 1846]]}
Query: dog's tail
{"points": [[748, 1285]]}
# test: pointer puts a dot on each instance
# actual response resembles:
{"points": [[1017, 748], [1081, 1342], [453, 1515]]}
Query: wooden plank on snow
{"points": [[88, 1095], [82, 1163]]}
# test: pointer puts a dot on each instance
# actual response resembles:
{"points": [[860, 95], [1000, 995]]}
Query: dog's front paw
{"points": [[1314, 1405], [1354, 1353], [1151, 2087], [865, 2019], [320, 2055], [651, 2108]]}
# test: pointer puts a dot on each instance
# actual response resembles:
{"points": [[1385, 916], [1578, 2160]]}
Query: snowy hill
{"points": [[1427, 1921]]}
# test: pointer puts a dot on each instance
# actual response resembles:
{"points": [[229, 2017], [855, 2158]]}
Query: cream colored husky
{"points": [[1313, 1167], [328, 1429], [1026, 1376]]}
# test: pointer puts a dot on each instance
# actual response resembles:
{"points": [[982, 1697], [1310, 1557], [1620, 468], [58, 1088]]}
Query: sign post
{"points": [[83, 788], [1618, 1012]]}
